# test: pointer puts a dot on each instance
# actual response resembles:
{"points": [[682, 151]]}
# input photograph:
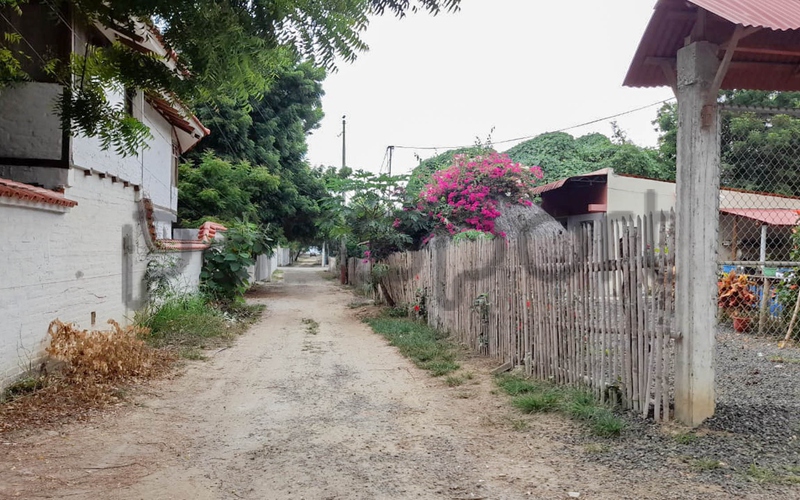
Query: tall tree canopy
{"points": [[560, 155], [224, 49], [258, 153]]}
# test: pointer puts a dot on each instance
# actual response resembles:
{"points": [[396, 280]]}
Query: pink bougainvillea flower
{"points": [[466, 195]]}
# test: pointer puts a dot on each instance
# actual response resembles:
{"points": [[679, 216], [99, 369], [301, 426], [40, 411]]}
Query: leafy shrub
{"points": [[734, 294], [225, 265]]}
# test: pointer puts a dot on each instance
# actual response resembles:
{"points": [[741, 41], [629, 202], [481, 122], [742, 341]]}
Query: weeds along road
{"points": [[299, 411]]}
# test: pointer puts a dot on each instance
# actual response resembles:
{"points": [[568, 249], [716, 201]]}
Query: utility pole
{"points": [[344, 141], [391, 150], [343, 242]]}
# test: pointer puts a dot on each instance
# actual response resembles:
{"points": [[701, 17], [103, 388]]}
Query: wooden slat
{"points": [[591, 308]]}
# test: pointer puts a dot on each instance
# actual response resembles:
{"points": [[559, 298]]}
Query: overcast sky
{"points": [[522, 67]]}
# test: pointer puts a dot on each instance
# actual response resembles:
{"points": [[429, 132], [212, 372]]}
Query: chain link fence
{"points": [[759, 263]]}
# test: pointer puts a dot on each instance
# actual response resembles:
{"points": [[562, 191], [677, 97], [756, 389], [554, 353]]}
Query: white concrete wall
{"points": [[88, 153], [633, 196], [157, 161], [188, 265], [89, 259], [68, 266], [151, 168], [284, 256], [29, 128]]}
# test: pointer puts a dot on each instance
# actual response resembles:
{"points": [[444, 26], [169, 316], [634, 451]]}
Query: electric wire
{"points": [[505, 141]]}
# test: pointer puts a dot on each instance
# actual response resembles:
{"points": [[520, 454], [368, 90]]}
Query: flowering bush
{"points": [[466, 195]]}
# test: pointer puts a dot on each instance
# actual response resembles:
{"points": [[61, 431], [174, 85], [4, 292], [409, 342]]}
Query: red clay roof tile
{"points": [[26, 192]]}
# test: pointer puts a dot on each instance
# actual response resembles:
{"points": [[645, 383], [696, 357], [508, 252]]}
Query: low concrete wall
{"points": [[83, 265]]}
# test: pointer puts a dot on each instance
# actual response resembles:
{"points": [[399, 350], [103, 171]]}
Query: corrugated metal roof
{"points": [[773, 14], [557, 184], [770, 216], [764, 60]]}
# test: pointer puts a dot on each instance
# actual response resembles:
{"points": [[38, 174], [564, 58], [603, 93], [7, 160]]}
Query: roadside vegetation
{"points": [[532, 396], [430, 350], [426, 347], [86, 370]]}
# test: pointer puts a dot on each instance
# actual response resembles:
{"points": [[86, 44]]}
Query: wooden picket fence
{"points": [[591, 308]]}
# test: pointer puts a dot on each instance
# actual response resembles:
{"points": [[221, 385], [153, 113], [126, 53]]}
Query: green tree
{"points": [[759, 151], [270, 135], [230, 49], [217, 189], [560, 155], [364, 209]]}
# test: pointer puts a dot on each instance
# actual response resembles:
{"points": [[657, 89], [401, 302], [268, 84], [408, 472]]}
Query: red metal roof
{"points": [[557, 184], [765, 59], [772, 14], [770, 216], [26, 192]]}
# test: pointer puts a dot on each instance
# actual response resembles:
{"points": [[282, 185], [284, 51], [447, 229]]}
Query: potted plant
{"points": [[736, 298]]}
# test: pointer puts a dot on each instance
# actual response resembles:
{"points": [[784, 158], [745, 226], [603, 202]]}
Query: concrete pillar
{"points": [[697, 213]]}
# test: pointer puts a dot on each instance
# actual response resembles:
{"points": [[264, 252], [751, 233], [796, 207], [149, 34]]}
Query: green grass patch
{"points": [[763, 475], [705, 464], [454, 380], [685, 438], [532, 396], [538, 402], [426, 347], [22, 387], [191, 323], [515, 386]]}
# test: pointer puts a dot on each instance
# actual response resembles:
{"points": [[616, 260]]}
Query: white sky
{"points": [[523, 67]]}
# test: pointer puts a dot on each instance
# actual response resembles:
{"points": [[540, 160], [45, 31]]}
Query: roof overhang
{"points": [[147, 40], [760, 40], [598, 174], [187, 126], [768, 216]]}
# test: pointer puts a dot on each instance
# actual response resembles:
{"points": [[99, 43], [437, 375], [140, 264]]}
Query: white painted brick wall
{"points": [[69, 265], [157, 161]]}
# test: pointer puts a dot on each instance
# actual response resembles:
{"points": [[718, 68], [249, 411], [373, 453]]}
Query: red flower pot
{"points": [[741, 324]]}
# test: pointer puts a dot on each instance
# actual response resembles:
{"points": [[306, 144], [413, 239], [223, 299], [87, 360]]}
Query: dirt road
{"points": [[289, 413]]}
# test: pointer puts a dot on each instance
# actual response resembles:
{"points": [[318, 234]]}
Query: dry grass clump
{"points": [[102, 356], [95, 368]]}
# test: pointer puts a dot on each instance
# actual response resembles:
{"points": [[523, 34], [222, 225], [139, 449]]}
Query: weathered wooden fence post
{"points": [[696, 231]]}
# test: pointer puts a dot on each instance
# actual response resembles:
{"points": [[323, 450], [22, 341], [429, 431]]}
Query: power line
{"points": [[505, 141]]}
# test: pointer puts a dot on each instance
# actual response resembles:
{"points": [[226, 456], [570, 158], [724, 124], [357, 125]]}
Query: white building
{"points": [[80, 223], [753, 227]]}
